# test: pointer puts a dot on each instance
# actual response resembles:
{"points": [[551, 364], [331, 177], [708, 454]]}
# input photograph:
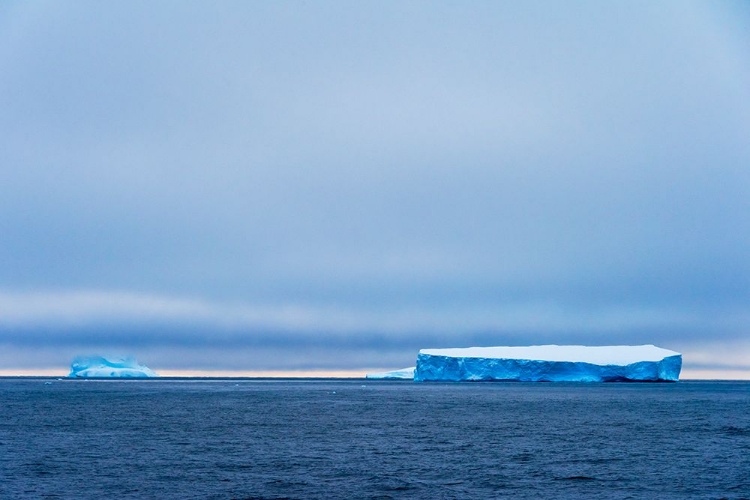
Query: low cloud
{"points": [[183, 333], [67, 310]]}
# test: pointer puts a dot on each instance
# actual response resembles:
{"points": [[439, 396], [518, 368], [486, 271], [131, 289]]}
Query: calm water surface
{"points": [[272, 439]]}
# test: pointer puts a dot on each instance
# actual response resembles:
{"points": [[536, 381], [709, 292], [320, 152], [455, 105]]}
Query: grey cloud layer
{"points": [[152, 325]]}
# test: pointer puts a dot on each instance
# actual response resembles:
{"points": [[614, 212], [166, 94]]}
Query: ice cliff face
{"points": [[550, 363], [403, 374], [97, 366]]}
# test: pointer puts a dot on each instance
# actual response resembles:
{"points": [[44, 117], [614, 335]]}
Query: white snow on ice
{"points": [[604, 355]]}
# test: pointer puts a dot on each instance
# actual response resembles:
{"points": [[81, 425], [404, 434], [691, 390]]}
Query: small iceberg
{"points": [[402, 374], [101, 367]]}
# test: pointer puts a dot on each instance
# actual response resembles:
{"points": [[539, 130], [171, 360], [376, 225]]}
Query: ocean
{"points": [[351, 439]]}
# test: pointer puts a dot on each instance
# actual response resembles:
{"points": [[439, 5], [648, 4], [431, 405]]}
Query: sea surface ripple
{"points": [[309, 439]]}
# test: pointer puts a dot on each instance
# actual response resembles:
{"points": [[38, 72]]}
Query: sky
{"points": [[296, 186]]}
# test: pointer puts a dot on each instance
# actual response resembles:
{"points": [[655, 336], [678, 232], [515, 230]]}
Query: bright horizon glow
{"points": [[685, 374]]}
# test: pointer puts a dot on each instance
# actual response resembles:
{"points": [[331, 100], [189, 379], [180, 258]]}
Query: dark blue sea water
{"points": [[333, 439]]}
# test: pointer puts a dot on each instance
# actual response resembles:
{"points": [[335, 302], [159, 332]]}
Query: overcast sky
{"points": [[335, 185]]}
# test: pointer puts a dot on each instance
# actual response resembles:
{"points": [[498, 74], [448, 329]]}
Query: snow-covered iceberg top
{"points": [[402, 374], [100, 367], [550, 363]]}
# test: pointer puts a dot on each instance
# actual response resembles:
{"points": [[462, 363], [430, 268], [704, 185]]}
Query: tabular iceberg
{"points": [[550, 363], [99, 367], [402, 374]]}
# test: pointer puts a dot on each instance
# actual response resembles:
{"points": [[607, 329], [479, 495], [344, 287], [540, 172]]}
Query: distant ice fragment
{"points": [[100, 367], [550, 363], [402, 374]]}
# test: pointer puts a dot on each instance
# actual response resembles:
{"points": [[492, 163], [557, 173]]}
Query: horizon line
{"points": [[686, 374]]}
